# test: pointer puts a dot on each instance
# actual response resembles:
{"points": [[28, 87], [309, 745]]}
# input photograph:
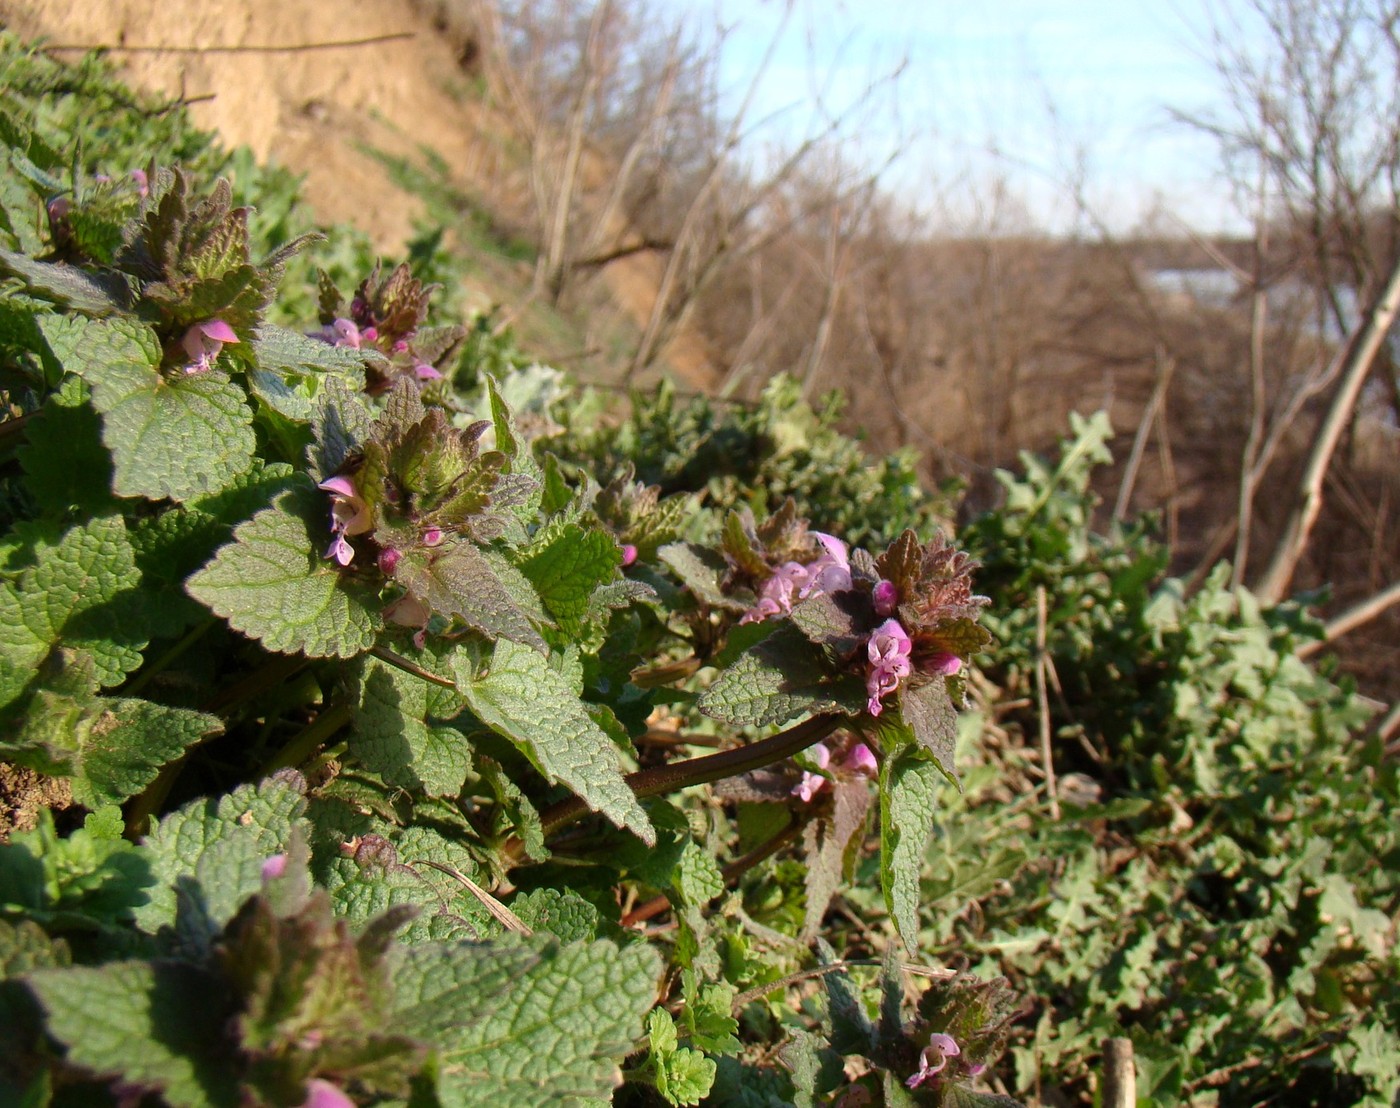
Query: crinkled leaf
{"points": [[111, 748], [841, 621], [908, 793], [65, 464], [461, 580], [826, 842], [928, 710], [701, 570], [779, 679], [558, 912], [401, 734], [80, 594], [698, 878], [341, 422], [208, 856], [566, 572], [67, 285], [683, 1076], [522, 697], [154, 1025], [527, 1023], [171, 437], [274, 584]]}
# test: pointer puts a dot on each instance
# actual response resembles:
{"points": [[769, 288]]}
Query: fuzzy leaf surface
{"points": [[779, 679], [273, 584], [527, 1024], [908, 794], [400, 733], [566, 572], [173, 437], [156, 1025], [80, 593], [522, 697], [208, 856]]}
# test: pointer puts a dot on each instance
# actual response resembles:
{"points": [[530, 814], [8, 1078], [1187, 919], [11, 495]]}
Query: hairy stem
{"points": [[693, 771]]}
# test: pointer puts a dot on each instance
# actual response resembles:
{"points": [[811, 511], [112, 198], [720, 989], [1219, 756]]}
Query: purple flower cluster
{"points": [[345, 332], [793, 581], [859, 762]]}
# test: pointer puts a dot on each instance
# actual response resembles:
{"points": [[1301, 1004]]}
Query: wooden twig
{"points": [[504, 915], [1165, 368], [1043, 703], [1353, 618], [1119, 1075]]}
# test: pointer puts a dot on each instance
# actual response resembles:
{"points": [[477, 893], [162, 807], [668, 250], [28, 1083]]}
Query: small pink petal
{"points": [[432, 536], [322, 1094], [861, 761], [425, 372], [339, 486], [218, 331], [629, 554], [274, 867], [341, 550]]}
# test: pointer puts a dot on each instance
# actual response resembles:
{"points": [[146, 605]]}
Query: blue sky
{"points": [[1021, 89]]}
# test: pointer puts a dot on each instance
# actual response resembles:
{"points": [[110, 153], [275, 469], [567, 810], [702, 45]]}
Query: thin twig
{"points": [[502, 914], [249, 48], [1043, 703], [398, 661], [1353, 618]]}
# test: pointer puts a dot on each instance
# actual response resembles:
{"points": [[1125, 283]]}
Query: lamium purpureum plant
{"points": [[335, 669]]}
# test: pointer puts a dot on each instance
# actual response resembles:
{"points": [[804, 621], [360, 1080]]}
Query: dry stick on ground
{"points": [[1043, 703], [1355, 364]]}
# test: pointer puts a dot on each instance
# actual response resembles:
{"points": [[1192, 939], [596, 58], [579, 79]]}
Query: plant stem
{"points": [[142, 679], [693, 771], [310, 739]]}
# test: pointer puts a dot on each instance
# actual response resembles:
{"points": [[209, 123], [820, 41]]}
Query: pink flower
{"points": [[433, 536], [388, 561], [424, 372], [350, 515], [934, 1057], [320, 1093], [861, 762], [274, 867], [942, 665], [831, 572], [885, 598], [143, 184], [888, 650], [812, 783], [629, 554], [203, 341]]}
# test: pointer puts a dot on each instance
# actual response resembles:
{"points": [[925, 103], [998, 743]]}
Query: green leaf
{"points": [[67, 285], [568, 569], [698, 878], [908, 793], [153, 1025], [173, 437], [273, 584], [208, 856], [701, 570], [779, 679], [928, 710], [522, 697], [65, 464], [112, 748], [464, 581], [526, 1023], [400, 731], [558, 912], [79, 594], [682, 1075]]}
